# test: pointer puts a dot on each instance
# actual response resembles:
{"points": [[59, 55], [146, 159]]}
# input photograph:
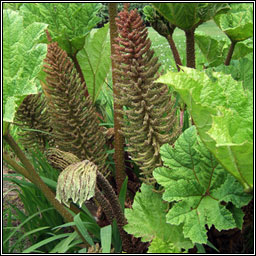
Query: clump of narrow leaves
{"points": [[148, 108], [73, 116]]}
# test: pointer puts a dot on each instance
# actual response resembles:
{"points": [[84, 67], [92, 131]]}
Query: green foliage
{"points": [[187, 15], [147, 220], [158, 22], [94, 59], [240, 70], [237, 23], [222, 112], [105, 234], [12, 6], [198, 192], [22, 60], [198, 185], [69, 23], [215, 51], [24, 221]]}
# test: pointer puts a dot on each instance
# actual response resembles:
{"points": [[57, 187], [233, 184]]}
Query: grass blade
{"points": [[82, 229], [25, 235], [24, 222], [105, 235], [44, 242]]}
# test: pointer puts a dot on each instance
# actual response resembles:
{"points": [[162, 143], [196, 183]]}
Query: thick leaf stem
{"points": [[118, 138], [33, 176], [174, 51], [230, 53], [190, 48], [16, 166]]}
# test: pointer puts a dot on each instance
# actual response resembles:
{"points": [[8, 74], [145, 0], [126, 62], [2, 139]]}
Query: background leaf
{"points": [[215, 50], [94, 60], [240, 70], [22, 59], [237, 23], [69, 23], [186, 15], [183, 15], [223, 113]]}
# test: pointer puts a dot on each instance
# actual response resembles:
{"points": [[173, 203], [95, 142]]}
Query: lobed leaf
{"points": [[187, 15], [183, 15], [22, 59], [69, 23], [240, 70], [223, 113], [198, 185], [215, 51], [237, 23], [147, 220]]}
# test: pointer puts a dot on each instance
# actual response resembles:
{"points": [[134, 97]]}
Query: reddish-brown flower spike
{"points": [[150, 118], [73, 117]]}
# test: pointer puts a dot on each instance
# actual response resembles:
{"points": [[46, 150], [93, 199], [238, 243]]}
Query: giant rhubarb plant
{"points": [[73, 117], [148, 109]]}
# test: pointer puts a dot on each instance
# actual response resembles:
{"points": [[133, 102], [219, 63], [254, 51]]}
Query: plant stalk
{"points": [[230, 53], [190, 52], [19, 169], [33, 176], [190, 48], [118, 138], [174, 51]]}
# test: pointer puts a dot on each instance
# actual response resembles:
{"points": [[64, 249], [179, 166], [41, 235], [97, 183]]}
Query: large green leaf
{"points": [[211, 48], [215, 51], [22, 60], [95, 61], [147, 220], [197, 185], [182, 15], [223, 113], [186, 15], [240, 70], [69, 23], [237, 23]]}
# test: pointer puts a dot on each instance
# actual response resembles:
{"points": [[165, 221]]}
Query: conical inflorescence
{"points": [[32, 115], [149, 113], [73, 116]]}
